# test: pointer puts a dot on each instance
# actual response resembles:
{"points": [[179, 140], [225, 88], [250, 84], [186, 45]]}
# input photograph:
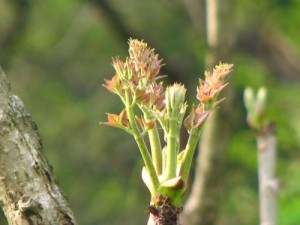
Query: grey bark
{"points": [[266, 147], [28, 191]]}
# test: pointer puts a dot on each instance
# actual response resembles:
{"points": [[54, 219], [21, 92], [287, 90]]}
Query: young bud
{"points": [[261, 100], [249, 99], [175, 96]]}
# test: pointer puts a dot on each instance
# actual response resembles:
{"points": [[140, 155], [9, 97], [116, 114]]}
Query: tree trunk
{"points": [[29, 194]]}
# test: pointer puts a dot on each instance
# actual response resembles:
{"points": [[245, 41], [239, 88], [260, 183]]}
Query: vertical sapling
{"points": [[266, 139]]}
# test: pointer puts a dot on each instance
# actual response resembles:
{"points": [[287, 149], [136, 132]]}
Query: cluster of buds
{"points": [[137, 84], [207, 92], [138, 75]]}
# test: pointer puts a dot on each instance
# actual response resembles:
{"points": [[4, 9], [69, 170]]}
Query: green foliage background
{"points": [[57, 62]]}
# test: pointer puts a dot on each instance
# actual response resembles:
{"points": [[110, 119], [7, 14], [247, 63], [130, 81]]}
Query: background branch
{"points": [[124, 32], [11, 39], [203, 203], [273, 47]]}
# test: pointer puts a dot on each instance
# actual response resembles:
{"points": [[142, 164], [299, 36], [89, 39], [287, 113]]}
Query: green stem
{"points": [[172, 146], [155, 145], [188, 155], [141, 143]]}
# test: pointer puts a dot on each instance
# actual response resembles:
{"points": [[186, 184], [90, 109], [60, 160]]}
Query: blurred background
{"points": [[56, 55]]}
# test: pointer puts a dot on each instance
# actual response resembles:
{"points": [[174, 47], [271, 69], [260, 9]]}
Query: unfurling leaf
{"points": [[196, 118], [113, 85], [117, 120]]}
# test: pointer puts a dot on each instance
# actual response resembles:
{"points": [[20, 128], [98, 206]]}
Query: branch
{"points": [[124, 32], [28, 192], [273, 47], [196, 11]]}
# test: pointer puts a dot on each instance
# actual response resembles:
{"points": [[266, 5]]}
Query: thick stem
{"points": [[165, 213]]}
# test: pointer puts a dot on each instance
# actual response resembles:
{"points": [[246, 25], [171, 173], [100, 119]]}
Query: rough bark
{"points": [[266, 146], [165, 213], [28, 191]]}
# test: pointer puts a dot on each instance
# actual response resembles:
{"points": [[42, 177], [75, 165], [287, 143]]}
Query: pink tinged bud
{"points": [[200, 118], [214, 83], [113, 85], [196, 118], [189, 120], [119, 66], [143, 59], [142, 95], [221, 71], [123, 118], [158, 95], [204, 91], [145, 124]]}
